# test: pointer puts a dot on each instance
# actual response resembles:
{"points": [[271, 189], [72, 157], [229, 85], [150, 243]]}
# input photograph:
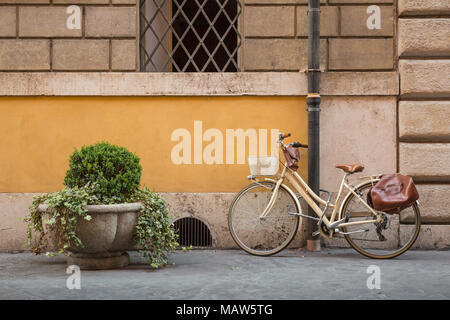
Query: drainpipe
{"points": [[313, 102]]}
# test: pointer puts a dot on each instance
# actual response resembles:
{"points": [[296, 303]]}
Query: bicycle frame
{"points": [[310, 197]]}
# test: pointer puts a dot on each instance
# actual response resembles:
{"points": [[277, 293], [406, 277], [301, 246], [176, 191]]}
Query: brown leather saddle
{"points": [[350, 168]]}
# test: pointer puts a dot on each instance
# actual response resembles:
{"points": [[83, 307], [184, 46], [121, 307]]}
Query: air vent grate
{"points": [[193, 232]]}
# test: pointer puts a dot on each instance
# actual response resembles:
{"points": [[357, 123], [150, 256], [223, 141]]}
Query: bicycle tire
{"points": [[249, 241], [383, 253]]}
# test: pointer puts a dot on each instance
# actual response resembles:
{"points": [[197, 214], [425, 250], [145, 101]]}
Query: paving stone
{"points": [[234, 274]]}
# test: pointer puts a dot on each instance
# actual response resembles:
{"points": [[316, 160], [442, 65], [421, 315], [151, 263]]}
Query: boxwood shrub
{"points": [[113, 171]]}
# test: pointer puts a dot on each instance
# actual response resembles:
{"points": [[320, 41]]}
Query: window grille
{"points": [[189, 35]]}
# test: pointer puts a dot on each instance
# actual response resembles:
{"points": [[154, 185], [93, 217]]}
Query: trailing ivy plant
{"points": [[101, 174], [154, 230], [58, 222]]}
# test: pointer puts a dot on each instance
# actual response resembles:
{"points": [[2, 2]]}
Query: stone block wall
{"points": [[275, 35], [34, 35], [424, 111]]}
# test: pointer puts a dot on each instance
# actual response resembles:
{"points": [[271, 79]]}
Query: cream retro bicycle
{"points": [[264, 216]]}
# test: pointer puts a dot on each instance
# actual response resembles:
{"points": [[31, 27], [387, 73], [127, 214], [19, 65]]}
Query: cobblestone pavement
{"points": [[233, 274]]}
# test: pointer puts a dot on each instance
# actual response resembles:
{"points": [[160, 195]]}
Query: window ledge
{"points": [[194, 84]]}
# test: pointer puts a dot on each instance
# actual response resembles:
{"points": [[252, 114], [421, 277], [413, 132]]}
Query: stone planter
{"points": [[105, 237]]}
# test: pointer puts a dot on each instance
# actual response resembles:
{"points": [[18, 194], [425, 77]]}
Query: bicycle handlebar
{"points": [[299, 145], [294, 144]]}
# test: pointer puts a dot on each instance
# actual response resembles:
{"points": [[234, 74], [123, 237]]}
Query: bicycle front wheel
{"points": [[268, 235], [379, 240]]}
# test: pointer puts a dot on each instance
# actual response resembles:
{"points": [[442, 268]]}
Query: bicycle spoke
{"points": [[267, 235], [381, 239], [249, 212]]}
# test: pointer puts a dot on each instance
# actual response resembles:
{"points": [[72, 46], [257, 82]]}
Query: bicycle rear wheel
{"points": [[380, 240], [268, 235]]}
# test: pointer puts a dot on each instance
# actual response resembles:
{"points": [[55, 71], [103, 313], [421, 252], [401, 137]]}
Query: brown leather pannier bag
{"points": [[292, 156], [393, 193]]}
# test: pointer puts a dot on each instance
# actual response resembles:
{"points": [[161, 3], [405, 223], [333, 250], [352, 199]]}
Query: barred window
{"points": [[189, 35]]}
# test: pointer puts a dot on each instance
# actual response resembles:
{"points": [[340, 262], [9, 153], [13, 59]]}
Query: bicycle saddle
{"points": [[350, 168]]}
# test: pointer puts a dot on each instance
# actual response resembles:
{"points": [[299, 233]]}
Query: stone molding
{"points": [[194, 84]]}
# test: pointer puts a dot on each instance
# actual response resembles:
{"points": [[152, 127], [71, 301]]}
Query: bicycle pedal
{"points": [[315, 233]]}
